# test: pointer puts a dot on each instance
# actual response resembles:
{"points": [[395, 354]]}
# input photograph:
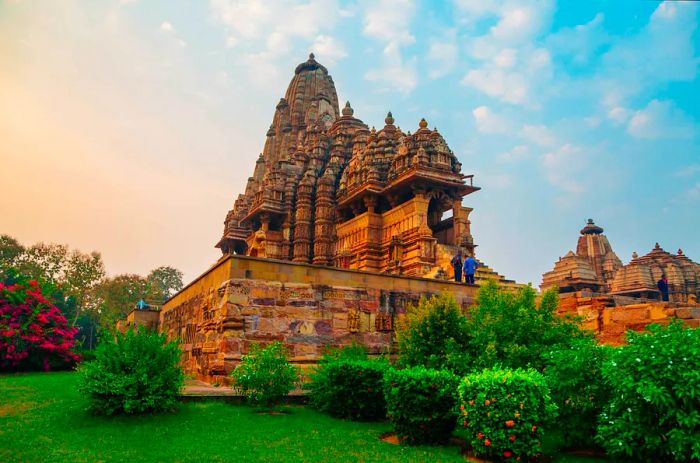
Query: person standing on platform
{"points": [[470, 266], [457, 265], [662, 284]]}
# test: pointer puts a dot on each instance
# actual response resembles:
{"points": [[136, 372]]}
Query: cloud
{"points": [[688, 171], [489, 122], [328, 49], [539, 134], [661, 119], [273, 22], [388, 21], [517, 153], [442, 55], [563, 168], [397, 73], [693, 192]]}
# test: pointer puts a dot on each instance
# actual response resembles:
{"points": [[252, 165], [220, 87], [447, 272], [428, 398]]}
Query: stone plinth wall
{"points": [[244, 300], [610, 322], [148, 318]]}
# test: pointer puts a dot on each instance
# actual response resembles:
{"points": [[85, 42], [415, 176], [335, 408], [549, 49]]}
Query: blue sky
{"points": [[132, 125]]}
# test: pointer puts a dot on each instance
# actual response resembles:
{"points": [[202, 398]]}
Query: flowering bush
{"points": [[421, 404], [348, 388], [33, 332], [654, 381], [504, 412], [576, 383], [133, 372], [265, 376]]}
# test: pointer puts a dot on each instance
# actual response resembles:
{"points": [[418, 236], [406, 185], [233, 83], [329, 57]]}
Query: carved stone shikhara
{"points": [[327, 190]]}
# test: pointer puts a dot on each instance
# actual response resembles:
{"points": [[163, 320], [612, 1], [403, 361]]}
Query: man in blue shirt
{"points": [[470, 266]]}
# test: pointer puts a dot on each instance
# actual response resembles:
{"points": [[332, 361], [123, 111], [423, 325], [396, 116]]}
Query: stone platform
{"points": [[245, 300]]}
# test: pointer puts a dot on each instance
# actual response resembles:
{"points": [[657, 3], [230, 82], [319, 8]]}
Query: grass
{"points": [[43, 419]]}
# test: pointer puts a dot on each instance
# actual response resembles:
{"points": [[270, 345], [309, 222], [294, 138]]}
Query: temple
{"points": [[595, 268], [328, 190]]}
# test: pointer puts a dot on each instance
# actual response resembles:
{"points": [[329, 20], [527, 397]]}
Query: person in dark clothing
{"points": [[470, 266], [457, 266], [662, 284]]}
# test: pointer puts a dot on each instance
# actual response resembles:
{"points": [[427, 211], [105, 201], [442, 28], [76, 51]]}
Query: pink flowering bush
{"points": [[34, 334]]}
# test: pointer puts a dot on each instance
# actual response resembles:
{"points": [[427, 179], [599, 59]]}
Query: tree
{"points": [[165, 281], [34, 333], [117, 296], [82, 273], [512, 330], [10, 251]]}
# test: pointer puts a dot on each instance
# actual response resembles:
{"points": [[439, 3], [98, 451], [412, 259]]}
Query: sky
{"points": [[130, 126]]}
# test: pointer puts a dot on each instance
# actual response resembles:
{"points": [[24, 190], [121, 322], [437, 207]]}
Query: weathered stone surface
{"points": [[307, 317]]}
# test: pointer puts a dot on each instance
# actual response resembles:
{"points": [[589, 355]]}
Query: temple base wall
{"points": [[244, 300], [610, 317]]}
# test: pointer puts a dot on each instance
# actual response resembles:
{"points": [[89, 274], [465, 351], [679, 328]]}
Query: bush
{"points": [[510, 330], [321, 389], [352, 389], [34, 334], [654, 381], [265, 376], [421, 404], [504, 412], [134, 372], [434, 335], [576, 383]]}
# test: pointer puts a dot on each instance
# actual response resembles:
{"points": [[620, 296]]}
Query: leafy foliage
{"points": [[575, 379], [350, 388], [33, 331], [511, 330], [265, 376], [421, 404], [504, 411], [434, 335], [134, 372], [164, 282], [654, 381]]}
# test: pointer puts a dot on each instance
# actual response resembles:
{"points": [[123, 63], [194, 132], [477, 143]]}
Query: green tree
{"points": [[165, 281], [10, 251], [513, 331], [434, 334], [117, 296]]}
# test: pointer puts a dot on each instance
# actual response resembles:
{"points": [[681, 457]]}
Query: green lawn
{"points": [[43, 419]]}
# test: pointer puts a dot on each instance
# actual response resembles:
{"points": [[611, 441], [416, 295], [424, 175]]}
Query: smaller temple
{"points": [[595, 268], [639, 278], [592, 267]]}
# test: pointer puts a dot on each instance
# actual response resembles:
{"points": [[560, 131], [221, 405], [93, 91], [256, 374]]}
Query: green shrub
{"points": [[350, 389], [265, 376], [576, 383], [654, 381], [320, 387], [421, 404], [133, 372], [504, 412], [434, 334], [511, 330]]}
